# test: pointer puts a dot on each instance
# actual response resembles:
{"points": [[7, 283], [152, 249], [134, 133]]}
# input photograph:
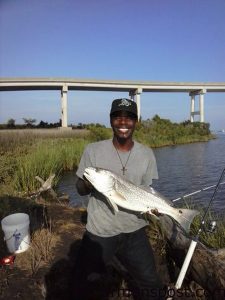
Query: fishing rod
{"points": [[195, 240], [196, 192]]}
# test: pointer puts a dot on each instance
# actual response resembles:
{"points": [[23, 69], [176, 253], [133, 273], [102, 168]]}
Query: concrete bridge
{"points": [[133, 88]]}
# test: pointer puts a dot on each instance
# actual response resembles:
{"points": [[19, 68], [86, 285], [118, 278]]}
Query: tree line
{"points": [[155, 127], [29, 123]]}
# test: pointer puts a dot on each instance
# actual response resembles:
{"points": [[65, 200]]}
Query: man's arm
{"points": [[83, 186]]}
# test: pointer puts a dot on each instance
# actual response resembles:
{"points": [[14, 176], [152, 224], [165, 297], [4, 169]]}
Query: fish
{"points": [[122, 193]]}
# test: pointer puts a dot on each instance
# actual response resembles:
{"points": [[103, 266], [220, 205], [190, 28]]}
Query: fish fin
{"points": [[112, 204], [115, 196], [185, 217]]}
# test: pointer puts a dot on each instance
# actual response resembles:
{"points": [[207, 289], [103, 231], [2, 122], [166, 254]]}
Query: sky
{"points": [[139, 40]]}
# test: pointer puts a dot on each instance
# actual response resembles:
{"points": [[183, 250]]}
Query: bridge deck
{"points": [[22, 84]]}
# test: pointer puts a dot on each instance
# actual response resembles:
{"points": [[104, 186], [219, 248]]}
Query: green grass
{"points": [[215, 239], [47, 157], [37, 153]]}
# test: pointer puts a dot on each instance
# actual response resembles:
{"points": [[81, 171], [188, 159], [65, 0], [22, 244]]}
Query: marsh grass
{"points": [[29, 153], [155, 139], [51, 156], [13, 140], [215, 239], [40, 252]]}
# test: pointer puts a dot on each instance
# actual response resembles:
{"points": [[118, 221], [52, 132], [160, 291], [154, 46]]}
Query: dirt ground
{"points": [[44, 270]]}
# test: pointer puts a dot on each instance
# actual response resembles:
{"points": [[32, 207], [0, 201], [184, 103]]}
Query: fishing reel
{"points": [[210, 227]]}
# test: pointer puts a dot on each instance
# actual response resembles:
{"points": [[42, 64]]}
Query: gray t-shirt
{"points": [[140, 169]]}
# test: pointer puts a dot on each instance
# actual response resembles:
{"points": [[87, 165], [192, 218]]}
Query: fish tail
{"points": [[185, 217]]}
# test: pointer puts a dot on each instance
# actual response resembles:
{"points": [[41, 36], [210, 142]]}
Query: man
{"points": [[121, 234]]}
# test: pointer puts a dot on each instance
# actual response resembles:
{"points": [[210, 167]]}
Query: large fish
{"points": [[120, 192]]}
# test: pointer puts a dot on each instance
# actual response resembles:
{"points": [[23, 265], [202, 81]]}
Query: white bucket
{"points": [[16, 230]]}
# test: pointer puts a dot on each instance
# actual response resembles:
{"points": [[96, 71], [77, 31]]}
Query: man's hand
{"points": [[156, 212], [88, 184], [84, 187]]}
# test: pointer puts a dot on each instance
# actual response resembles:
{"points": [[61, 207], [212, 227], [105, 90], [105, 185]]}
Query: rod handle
{"points": [[186, 263]]}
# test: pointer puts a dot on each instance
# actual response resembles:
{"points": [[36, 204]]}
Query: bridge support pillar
{"points": [[135, 95], [192, 108], [64, 92], [201, 107], [199, 112]]}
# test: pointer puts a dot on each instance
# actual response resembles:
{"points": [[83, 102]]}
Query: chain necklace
{"points": [[123, 166]]}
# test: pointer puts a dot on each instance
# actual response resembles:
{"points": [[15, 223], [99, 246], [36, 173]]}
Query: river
{"points": [[182, 169], [187, 168]]}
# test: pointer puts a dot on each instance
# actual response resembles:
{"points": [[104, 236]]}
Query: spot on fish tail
{"points": [[180, 211]]}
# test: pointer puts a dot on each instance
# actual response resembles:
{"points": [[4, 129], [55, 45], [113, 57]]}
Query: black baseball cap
{"points": [[124, 104]]}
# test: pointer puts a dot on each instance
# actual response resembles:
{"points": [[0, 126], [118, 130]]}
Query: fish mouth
{"points": [[88, 173]]}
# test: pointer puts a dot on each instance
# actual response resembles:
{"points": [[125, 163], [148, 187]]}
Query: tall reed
{"points": [[47, 157], [214, 239]]}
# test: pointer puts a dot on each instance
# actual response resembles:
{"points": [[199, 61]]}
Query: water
{"points": [[182, 170], [67, 186], [187, 168]]}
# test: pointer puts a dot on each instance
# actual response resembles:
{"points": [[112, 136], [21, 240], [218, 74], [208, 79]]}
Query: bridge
{"points": [[133, 88]]}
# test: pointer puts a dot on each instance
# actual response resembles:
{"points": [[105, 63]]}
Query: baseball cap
{"points": [[124, 104]]}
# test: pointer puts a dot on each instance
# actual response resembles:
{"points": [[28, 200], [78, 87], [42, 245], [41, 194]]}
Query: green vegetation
{"points": [[48, 157], [215, 239], [159, 132], [44, 158]]}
